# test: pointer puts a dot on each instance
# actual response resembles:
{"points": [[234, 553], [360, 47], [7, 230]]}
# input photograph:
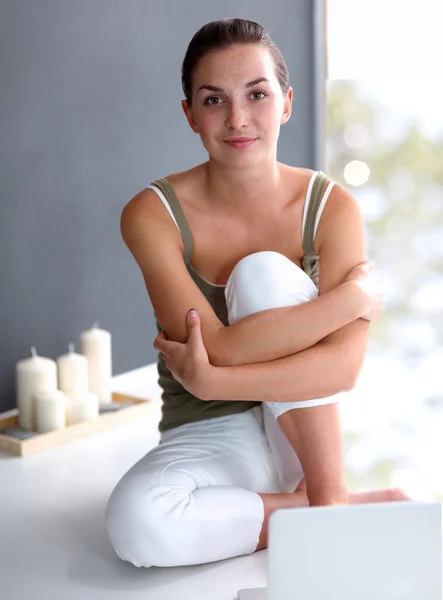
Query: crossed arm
{"points": [[320, 368]]}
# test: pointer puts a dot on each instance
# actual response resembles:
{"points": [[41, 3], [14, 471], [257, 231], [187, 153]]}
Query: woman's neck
{"points": [[242, 189]]}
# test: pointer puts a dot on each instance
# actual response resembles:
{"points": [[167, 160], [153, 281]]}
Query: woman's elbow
{"points": [[352, 372], [218, 357], [349, 381], [216, 349], [215, 357], [353, 352]]}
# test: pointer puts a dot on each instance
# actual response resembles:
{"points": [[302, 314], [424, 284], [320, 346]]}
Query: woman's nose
{"points": [[237, 118]]}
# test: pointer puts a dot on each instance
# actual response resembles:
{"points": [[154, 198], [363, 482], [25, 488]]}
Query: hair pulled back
{"points": [[219, 35]]}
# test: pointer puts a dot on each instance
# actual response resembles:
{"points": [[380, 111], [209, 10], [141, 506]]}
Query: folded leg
{"points": [[304, 436], [195, 498]]}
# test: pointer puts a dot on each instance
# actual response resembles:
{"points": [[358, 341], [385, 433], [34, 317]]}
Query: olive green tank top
{"points": [[179, 405]]}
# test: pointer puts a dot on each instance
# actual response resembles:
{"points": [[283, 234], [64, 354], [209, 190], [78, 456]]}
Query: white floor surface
{"points": [[53, 545]]}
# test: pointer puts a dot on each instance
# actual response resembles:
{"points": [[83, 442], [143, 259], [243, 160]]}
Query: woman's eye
{"points": [[207, 101], [211, 98]]}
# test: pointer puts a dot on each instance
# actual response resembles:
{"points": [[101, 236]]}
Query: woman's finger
{"points": [[160, 342]]}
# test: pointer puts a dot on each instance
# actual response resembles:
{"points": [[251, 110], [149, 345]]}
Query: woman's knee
{"points": [[265, 280], [143, 523]]}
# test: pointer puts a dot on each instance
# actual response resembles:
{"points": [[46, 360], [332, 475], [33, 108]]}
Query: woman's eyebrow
{"points": [[213, 88]]}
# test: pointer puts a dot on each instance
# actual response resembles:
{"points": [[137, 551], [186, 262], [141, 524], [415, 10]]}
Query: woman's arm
{"points": [[273, 334], [330, 366], [154, 241], [280, 332]]}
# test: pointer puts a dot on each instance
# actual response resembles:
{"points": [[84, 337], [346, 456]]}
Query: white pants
{"points": [[195, 497]]}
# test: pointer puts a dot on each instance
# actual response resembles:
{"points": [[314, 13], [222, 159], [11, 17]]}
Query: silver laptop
{"points": [[377, 551]]}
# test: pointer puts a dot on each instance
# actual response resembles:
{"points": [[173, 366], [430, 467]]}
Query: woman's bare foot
{"points": [[386, 495], [299, 498]]}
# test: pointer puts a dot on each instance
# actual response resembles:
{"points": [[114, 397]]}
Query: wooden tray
{"points": [[131, 409]]}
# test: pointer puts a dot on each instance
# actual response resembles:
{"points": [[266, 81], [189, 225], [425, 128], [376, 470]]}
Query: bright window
{"points": [[385, 144]]}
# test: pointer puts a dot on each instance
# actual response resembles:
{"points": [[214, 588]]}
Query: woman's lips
{"points": [[240, 145]]}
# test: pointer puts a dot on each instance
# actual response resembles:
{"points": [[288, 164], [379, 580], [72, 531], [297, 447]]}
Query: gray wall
{"points": [[89, 91]]}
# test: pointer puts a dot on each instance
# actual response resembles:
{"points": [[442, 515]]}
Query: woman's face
{"points": [[235, 109]]}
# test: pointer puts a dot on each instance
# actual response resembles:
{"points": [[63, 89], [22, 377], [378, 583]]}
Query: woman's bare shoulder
{"points": [[146, 199], [297, 174], [302, 171], [188, 185], [297, 180], [187, 177]]}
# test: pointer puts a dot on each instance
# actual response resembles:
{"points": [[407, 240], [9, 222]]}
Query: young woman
{"points": [[250, 419]]}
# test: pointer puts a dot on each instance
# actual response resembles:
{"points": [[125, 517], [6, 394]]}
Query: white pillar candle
{"points": [[33, 375], [96, 346], [83, 407], [50, 410], [72, 372]]}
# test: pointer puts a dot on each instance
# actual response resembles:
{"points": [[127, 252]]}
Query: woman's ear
{"points": [[189, 116], [287, 107]]}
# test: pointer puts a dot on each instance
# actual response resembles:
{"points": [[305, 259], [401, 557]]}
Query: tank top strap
{"points": [[165, 187], [312, 204]]}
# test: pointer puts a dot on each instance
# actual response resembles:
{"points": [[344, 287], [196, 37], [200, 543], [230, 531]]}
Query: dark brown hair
{"points": [[218, 35]]}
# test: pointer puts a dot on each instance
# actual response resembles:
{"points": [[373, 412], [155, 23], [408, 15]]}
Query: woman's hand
{"points": [[188, 362], [372, 286]]}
